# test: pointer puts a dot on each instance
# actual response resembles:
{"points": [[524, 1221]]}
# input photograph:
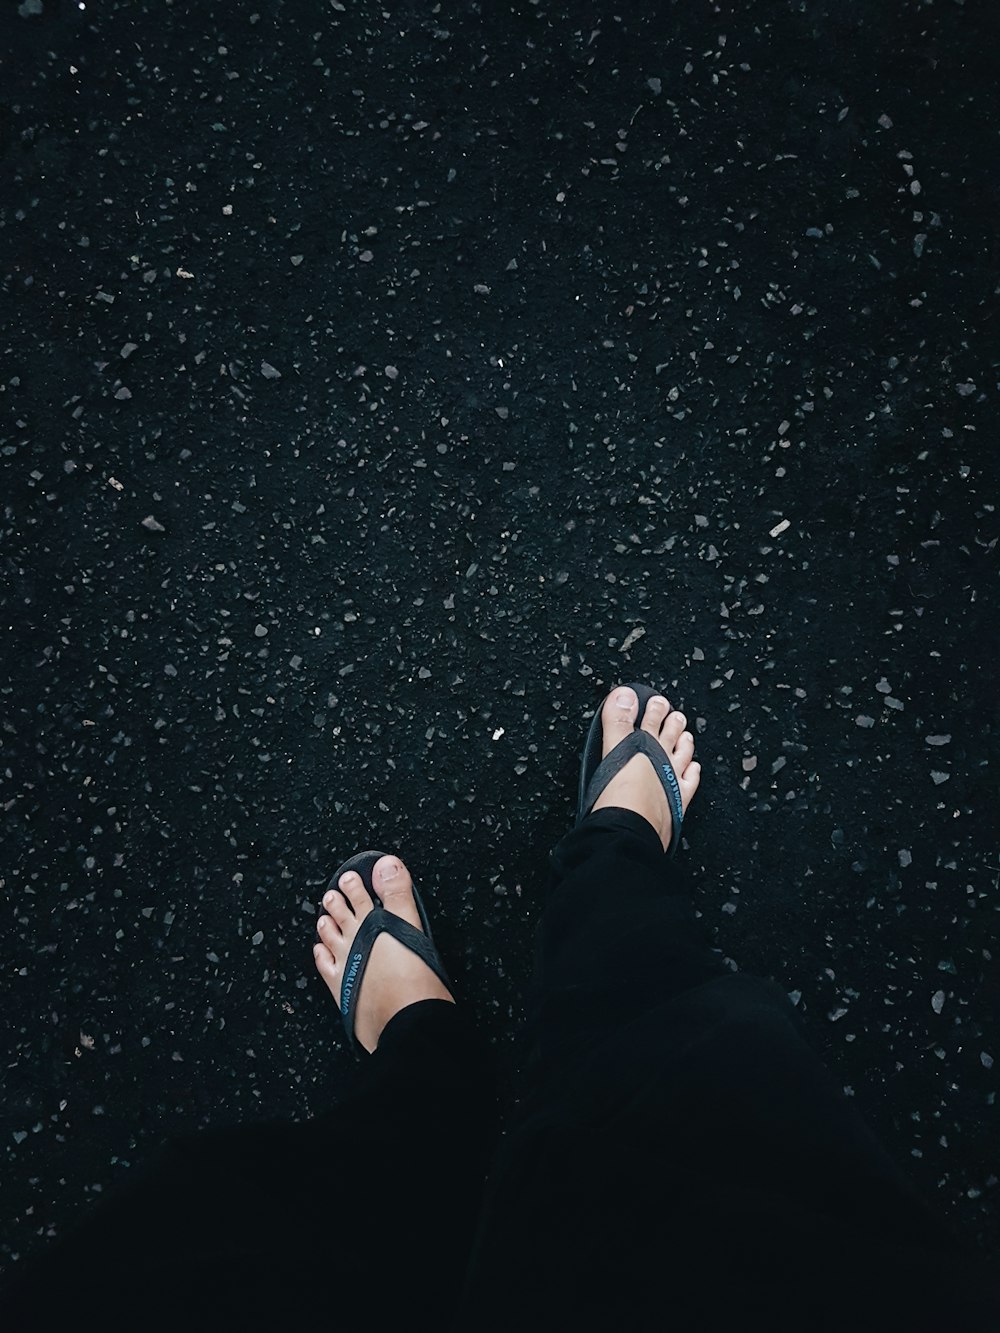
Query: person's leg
{"points": [[679, 1150], [362, 1215], [618, 936], [631, 967]]}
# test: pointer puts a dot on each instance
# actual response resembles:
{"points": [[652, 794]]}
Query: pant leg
{"points": [[680, 1157], [361, 1215]]}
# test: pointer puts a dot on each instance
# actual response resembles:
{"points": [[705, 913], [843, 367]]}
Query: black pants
{"points": [[678, 1158]]}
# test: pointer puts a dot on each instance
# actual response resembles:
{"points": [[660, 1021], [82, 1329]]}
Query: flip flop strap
{"points": [[375, 923], [640, 742]]}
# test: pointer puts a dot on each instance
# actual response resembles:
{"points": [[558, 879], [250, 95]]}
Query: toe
{"points": [[329, 931], [690, 778], [657, 709], [672, 728], [352, 886], [339, 908], [683, 751], [327, 967], [394, 886], [618, 715], [389, 871]]}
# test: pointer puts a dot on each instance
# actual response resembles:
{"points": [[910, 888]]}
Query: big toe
{"points": [[394, 886], [618, 715]]}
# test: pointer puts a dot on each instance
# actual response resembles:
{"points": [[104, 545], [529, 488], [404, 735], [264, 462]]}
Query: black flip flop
{"points": [[377, 921], [596, 773]]}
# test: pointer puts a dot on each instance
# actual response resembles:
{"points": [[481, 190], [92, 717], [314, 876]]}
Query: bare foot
{"points": [[636, 786], [395, 976]]}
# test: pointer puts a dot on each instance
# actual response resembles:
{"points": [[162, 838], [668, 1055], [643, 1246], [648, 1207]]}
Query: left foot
{"points": [[395, 976]]}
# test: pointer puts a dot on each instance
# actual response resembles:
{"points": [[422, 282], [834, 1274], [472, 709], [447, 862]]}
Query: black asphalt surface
{"points": [[383, 383]]}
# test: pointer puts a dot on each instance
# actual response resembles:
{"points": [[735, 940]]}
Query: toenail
{"points": [[328, 898], [387, 870], [623, 699], [345, 879]]}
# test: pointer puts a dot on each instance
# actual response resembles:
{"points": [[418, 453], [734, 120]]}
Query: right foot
{"points": [[636, 786]]}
